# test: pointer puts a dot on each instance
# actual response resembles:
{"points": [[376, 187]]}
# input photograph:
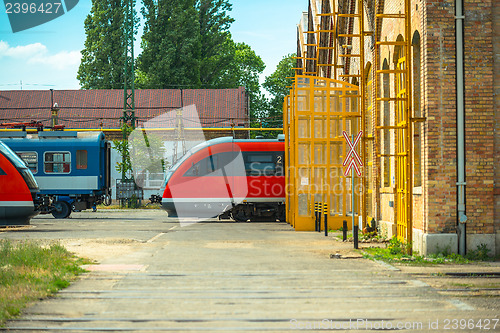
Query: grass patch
{"points": [[399, 252], [30, 271]]}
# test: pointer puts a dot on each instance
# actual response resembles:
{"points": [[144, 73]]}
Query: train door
{"points": [[107, 167]]}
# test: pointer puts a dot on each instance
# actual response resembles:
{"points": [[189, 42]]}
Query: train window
{"points": [[260, 164], [81, 159], [2, 173], [57, 162], [30, 158], [212, 163], [201, 168]]}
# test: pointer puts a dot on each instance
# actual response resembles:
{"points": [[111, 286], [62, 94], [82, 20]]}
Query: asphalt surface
{"points": [[154, 274]]}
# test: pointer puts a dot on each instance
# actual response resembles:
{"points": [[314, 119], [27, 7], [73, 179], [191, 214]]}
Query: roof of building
{"points": [[103, 108]]}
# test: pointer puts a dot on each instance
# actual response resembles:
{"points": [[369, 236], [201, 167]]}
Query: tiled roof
{"points": [[90, 108]]}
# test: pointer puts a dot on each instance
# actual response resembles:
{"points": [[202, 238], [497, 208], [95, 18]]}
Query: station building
{"points": [[427, 98]]}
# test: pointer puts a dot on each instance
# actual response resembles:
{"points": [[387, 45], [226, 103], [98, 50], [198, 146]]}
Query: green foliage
{"points": [[146, 151], [217, 51], [103, 58], [187, 44], [398, 251], [278, 85], [245, 71], [481, 253], [171, 45], [395, 246], [29, 271], [125, 165]]}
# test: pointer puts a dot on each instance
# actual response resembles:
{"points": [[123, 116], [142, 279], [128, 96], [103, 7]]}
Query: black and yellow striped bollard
{"points": [[315, 216], [320, 210], [325, 212]]}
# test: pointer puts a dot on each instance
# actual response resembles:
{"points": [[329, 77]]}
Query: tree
{"points": [[277, 84], [244, 70], [171, 45], [103, 57], [216, 47]]}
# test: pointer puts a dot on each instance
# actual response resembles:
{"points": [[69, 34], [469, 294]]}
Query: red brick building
{"points": [[431, 29]]}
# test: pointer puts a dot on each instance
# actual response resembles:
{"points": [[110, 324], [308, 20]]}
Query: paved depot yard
{"points": [[155, 275]]}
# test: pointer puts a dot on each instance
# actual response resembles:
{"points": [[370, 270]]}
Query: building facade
{"points": [[405, 57]]}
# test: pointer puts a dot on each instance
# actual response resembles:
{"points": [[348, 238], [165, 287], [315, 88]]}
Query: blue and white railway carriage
{"points": [[72, 168]]}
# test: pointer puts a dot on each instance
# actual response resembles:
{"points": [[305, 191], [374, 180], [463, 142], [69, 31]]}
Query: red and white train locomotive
{"points": [[226, 177], [18, 189]]}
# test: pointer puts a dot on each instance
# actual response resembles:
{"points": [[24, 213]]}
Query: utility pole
{"points": [[128, 119], [179, 133], [129, 70]]}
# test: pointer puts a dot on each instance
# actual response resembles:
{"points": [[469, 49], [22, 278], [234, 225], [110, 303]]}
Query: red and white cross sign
{"points": [[352, 158]]}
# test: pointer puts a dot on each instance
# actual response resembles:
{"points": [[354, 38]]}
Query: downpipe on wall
{"points": [[459, 42]]}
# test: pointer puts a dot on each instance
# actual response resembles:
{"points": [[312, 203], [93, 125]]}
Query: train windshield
{"points": [[16, 160], [190, 152]]}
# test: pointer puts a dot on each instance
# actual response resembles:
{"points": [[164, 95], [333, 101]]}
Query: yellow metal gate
{"points": [[316, 113], [400, 104]]}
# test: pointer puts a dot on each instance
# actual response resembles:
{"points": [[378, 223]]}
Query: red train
{"points": [[18, 189], [229, 178]]}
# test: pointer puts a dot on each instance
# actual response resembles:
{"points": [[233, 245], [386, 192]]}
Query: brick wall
{"points": [[435, 208], [479, 109], [440, 110], [438, 61], [496, 81]]}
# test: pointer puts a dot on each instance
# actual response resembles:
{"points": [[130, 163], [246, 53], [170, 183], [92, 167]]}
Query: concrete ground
{"points": [[154, 274]]}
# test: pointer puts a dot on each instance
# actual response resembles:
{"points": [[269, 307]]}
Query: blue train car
{"points": [[72, 168]]}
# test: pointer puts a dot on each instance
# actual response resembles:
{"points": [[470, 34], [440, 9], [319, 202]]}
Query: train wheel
{"points": [[61, 210]]}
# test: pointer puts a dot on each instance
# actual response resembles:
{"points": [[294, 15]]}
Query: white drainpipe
{"points": [[462, 218]]}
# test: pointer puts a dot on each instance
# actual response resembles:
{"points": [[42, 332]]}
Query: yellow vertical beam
{"points": [[409, 135], [362, 102], [286, 131]]}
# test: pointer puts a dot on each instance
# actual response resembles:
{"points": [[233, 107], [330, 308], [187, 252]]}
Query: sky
{"points": [[48, 56]]}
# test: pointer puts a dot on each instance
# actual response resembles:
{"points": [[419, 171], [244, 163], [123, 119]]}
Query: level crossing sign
{"points": [[352, 159]]}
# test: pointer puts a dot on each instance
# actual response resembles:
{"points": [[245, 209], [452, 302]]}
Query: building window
{"points": [[417, 111], [386, 91], [31, 160], [57, 162], [81, 159]]}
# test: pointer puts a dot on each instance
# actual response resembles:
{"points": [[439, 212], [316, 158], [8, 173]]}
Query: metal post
{"points": [[462, 217], [325, 212], [128, 117], [320, 207], [355, 236], [315, 216], [352, 192], [344, 230]]}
